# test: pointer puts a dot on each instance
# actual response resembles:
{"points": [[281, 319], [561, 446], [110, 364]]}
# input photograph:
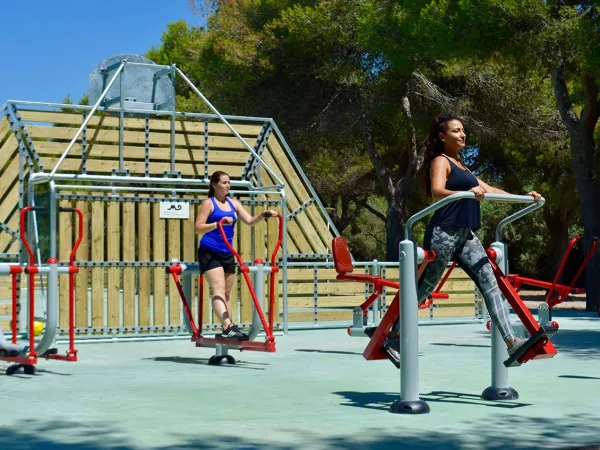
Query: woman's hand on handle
{"points": [[269, 213], [479, 192], [227, 221], [536, 197]]}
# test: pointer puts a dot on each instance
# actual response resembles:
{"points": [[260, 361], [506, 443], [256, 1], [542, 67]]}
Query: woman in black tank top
{"points": [[450, 233]]}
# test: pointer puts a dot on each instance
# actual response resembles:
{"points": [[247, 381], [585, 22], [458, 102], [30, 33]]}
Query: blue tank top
{"points": [[213, 240], [464, 213]]}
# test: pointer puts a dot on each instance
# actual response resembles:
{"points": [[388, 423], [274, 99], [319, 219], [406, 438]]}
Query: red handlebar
{"points": [[80, 237], [22, 217], [274, 269]]}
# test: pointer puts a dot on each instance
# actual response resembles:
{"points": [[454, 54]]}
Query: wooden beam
{"points": [[187, 126]]}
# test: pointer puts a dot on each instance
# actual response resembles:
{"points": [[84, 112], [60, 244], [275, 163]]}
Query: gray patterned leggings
{"points": [[463, 245]]}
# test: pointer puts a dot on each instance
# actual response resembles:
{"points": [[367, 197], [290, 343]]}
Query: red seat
{"points": [[341, 256]]}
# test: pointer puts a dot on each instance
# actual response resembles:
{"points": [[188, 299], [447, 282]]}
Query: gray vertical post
{"points": [[121, 123], [499, 390], [186, 284], [52, 317], [284, 261], [409, 402], [173, 127], [259, 290], [376, 315]]}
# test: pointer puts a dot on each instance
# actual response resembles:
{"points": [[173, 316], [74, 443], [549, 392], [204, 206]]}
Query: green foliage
{"points": [[321, 67], [528, 239]]}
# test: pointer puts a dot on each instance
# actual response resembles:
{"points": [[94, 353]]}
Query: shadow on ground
{"points": [[451, 344], [567, 432], [335, 352], [382, 400], [579, 343], [239, 364]]}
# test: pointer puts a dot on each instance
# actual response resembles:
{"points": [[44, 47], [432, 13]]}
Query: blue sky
{"points": [[51, 46]]}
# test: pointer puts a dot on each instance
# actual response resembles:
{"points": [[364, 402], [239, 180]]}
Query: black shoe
{"points": [[244, 335], [391, 346], [370, 331], [233, 333]]}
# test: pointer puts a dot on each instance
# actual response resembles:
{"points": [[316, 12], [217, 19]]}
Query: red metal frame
{"points": [[374, 349], [31, 270], [544, 348], [71, 354], [201, 341], [540, 350], [561, 294], [31, 358], [557, 293], [343, 265]]}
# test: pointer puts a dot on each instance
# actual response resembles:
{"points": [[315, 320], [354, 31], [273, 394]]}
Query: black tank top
{"points": [[464, 213]]}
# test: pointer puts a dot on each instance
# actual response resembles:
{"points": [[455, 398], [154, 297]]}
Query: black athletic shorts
{"points": [[208, 260]]}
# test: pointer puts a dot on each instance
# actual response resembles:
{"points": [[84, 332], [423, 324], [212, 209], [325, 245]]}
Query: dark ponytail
{"points": [[433, 146], [215, 178]]}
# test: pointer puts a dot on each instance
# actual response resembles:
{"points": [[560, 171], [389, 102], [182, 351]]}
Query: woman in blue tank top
{"points": [[216, 261], [450, 232]]}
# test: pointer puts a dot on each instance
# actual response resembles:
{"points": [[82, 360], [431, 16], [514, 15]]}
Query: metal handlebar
{"points": [[24, 239], [268, 327], [498, 198], [80, 235]]}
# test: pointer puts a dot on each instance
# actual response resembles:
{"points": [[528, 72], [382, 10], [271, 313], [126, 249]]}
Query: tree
{"points": [[302, 62], [350, 82], [558, 37]]}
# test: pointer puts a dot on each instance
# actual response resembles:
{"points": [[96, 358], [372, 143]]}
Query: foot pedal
{"points": [[370, 331], [50, 351], [535, 341]]}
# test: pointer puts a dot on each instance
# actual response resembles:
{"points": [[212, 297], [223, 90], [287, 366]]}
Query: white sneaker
{"points": [[517, 343]]}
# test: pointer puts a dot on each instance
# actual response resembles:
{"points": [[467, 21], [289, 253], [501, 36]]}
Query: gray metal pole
{"points": [[226, 123], [52, 317], [284, 263], [499, 390], [376, 315], [173, 126], [409, 402], [87, 119], [52, 299], [259, 290], [121, 124], [186, 284]]}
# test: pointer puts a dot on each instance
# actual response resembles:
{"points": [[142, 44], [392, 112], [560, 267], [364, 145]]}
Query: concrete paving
{"points": [[316, 392]]}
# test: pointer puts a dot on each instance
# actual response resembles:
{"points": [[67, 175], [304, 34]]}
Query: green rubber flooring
{"points": [[315, 392]]}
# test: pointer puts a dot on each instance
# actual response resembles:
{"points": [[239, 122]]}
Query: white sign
{"points": [[174, 210]]}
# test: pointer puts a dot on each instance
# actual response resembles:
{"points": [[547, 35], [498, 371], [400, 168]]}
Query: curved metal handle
{"points": [[517, 216], [498, 198]]}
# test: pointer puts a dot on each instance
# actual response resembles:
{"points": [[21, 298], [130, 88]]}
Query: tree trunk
{"points": [[397, 193], [583, 156], [394, 229], [589, 193]]}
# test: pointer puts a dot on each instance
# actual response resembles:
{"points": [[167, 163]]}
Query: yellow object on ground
{"points": [[38, 328]]}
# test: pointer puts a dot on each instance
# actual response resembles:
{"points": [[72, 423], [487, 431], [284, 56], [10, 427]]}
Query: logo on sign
{"points": [[174, 210]]}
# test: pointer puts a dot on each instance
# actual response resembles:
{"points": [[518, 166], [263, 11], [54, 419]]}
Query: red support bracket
{"points": [[374, 349], [543, 348]]}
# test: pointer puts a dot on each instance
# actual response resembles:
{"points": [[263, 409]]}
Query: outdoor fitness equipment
{"points": [[343, 265], [413, 261], [27, 357], [557, 293], [258, 269]]}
